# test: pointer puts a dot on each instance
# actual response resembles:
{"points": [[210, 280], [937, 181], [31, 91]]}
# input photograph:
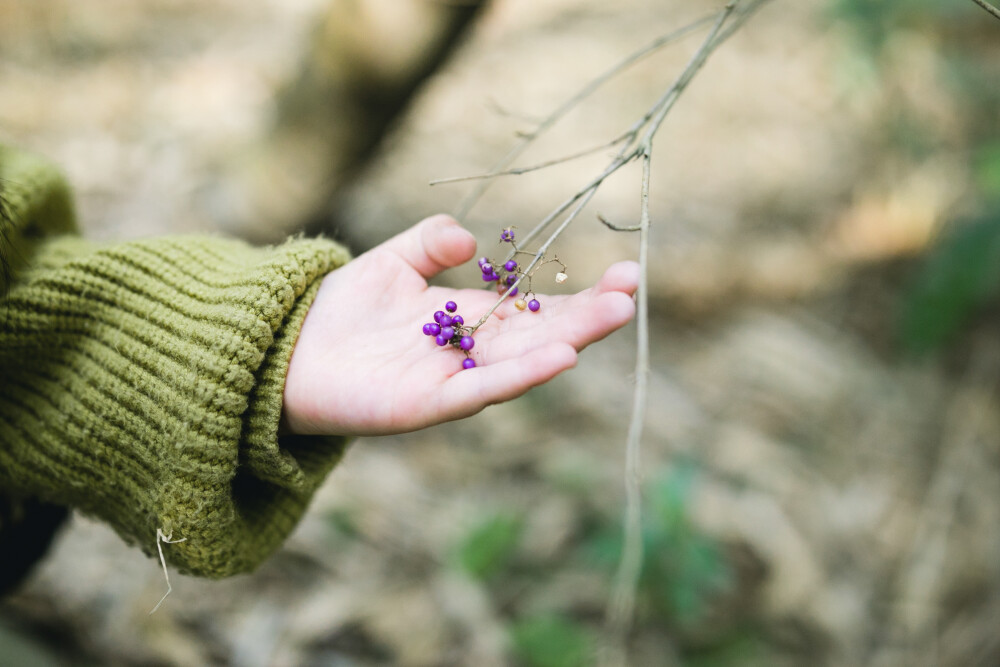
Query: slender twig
{"points": [[655, 115], [584, 198], [572, 103], [518, 171], [637, 144], [622, 606], [988, 7], [617, 228]]}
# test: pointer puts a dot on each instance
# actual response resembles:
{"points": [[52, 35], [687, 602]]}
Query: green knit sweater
{"points": [[142, 381]]}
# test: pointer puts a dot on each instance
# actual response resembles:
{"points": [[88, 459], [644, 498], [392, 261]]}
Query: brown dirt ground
{"points": [[857, 494]]}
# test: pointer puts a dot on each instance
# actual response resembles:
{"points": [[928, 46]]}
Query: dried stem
{"points": [[621, 608], [988, 7], [517, 171], [572, 103]]}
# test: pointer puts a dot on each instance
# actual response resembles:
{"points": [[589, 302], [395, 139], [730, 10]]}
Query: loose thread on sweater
{"points": [[162, 539]]}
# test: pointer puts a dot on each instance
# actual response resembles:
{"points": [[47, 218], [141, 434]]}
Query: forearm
{"points": [[142, 383]]}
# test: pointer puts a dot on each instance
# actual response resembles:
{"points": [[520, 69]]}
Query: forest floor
{"points": [[814, 496]]}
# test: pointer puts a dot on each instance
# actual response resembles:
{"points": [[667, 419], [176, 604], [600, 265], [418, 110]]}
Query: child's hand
{"points": [[362, 366]]}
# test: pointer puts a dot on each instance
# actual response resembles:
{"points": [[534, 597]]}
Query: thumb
{"points": [[433, 245]]}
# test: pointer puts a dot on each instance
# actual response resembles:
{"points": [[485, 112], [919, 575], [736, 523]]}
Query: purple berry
{"points": [[451, 306], [507, 235], [510, 280], [432, 329], [447, 332], [490, 277], [457, 320], [513, 292], [441, 340], [487, 268], [446, 320], [438, 315], [468, 363], [466, 343], [510, 265], [483, 260], [533, 305]]}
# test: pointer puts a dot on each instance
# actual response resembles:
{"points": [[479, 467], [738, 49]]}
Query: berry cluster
{"points": [[506, 274], [448, 328]]}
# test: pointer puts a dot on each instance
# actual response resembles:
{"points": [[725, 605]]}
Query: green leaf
{"points": [[489, 547], [959, 276], [552, 641]]}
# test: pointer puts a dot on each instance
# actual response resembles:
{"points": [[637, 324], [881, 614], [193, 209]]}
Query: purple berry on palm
{"points": [[447, 332], [451, 306], [446, 320], [432, 329], [533, 305], [467, 343], [457, 320], [438, 315], [468, 363], [441, 340]]}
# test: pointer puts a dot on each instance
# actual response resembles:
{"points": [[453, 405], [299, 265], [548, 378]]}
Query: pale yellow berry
{"points": [[561, 277], [520, 304]]}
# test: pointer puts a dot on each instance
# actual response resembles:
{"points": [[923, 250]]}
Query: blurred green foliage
{"points": [[683, 572], [490, 546], [873, 21], [682, 568], [960, 276], [343, 523], [987, 169], [552, 641]]}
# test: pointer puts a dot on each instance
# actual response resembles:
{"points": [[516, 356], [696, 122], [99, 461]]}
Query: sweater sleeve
{"points": [[142, 383]]}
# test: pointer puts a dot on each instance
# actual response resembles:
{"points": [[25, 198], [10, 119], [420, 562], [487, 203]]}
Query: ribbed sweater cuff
{"points": [[143, 384]]}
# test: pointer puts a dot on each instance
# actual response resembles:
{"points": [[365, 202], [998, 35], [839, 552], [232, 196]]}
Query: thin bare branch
{"points": [[583, 199], [517, 171], [988, 7], [572, 102], [617, 228], [622, 607], [657, 112]]}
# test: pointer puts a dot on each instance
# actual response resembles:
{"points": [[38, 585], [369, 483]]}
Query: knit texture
{"points": [[142, 381]]}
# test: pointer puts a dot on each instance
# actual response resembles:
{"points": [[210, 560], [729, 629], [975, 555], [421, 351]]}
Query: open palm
{"points": [[362, 366]]}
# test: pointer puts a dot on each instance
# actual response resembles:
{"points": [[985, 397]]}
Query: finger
{"points": [[469, 391], [433, 245], [620, 277], [578, 321], [589, 316]]}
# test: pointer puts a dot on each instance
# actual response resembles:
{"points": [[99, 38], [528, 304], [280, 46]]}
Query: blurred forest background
{"points": [[822, 451]]}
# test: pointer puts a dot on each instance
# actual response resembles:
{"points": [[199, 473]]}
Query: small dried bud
{"points": [[561, 277]]}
